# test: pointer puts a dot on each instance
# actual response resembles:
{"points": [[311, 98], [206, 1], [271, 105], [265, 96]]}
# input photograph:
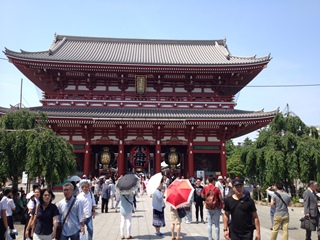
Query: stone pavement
{"points": [[106, 225]]}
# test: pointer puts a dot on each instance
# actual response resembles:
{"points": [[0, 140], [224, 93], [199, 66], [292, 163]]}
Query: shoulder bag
{"points": [[60, 226]]}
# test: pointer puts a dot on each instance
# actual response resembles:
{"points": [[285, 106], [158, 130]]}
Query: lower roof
{"points": [[150, 114]]}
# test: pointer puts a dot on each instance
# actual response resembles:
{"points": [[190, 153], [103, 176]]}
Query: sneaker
{"points": [[197, 222], [159, 234], [188, 222]]}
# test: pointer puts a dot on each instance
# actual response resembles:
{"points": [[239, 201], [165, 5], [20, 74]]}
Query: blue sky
{"points": [[288, 29]]}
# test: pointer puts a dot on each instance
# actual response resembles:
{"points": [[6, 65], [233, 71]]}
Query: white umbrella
{"points": [[74, 178], [154, 183]]}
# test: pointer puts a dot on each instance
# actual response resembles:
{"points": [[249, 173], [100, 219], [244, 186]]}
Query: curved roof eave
{"points": [[263, 61]]}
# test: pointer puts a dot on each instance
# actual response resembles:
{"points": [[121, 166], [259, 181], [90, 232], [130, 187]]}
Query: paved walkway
{"points": [[106, 225]]}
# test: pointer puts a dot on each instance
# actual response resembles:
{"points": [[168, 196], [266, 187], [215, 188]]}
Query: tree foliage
{"points": [[285, 150], [27, 145]]}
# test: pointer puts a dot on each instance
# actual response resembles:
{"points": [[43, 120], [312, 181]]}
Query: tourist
{"points": [[105, 195], [112, 192], [22, 202], [243, 212], [310, 202], [281, 200], [74, 222], [142, 185], [89, 205], [188, 209], [8, 201], [126, 209], [213, 203], [220, 184], [158, 206], [175, 222], [198, 200], [270, 192], [45, 214], [33, 197], [97, 191], [3, 220]]}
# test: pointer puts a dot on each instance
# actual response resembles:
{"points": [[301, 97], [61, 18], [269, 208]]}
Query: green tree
{"points": [[27, 145], [285, 150]]}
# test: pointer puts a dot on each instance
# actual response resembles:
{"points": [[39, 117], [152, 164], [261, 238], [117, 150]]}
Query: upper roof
{"points": [[76, 49]]}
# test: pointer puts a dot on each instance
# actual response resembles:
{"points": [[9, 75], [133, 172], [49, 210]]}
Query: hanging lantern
{"points": [[172, 158], [106, 158], [139, 157]]}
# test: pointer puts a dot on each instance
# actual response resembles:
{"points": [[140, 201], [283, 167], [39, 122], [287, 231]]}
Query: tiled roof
{"points": [[152, 114], [76, 49]]}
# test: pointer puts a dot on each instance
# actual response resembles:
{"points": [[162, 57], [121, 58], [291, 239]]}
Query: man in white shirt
{"points": [[8, 201], [89, 205], [219, 184]]}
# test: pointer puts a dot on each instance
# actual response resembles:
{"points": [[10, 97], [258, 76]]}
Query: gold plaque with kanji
{"points": [[141, 84]]}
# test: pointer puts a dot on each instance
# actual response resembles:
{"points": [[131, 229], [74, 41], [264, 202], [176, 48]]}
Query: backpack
{"points": [[211, 200]]}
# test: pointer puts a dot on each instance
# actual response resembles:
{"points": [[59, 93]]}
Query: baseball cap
{"points": [[84, 176], [236, 182], [220, 177]]}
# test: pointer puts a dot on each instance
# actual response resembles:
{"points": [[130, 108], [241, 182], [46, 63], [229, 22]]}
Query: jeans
{"points": [[104, 205], [272, 210], [213, 217], [199, 208], [278, 221], [72, 237], [88, 223]]}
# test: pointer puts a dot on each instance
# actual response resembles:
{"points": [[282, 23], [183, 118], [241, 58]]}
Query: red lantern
{"points": [[139, 157]]}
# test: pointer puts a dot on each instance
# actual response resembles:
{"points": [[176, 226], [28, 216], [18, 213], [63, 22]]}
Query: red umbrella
{"points": [[179, 193]]}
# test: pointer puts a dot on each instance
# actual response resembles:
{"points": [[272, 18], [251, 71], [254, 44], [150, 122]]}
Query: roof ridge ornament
{"points": [[56, 45]]}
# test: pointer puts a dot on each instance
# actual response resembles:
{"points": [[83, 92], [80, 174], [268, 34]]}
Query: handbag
{"points": [[308, 223], [24, 216], [82, 236], [60, 226], [181, 212]]}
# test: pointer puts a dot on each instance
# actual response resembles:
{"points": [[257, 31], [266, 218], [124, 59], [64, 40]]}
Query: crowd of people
{"points": [[218, 196]]}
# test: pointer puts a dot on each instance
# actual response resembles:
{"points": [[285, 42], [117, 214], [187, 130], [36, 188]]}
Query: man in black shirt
{"points": [[244, 217], [198, 201]]}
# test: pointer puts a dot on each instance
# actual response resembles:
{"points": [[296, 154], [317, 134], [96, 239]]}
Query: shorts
{"points": [[175, 217]]}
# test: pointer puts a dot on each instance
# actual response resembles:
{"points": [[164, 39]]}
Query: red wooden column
{"points": [[190, 159], [157, 164], [121, 166], [223, 158]]}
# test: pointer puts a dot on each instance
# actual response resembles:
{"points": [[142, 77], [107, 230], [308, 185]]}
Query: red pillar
{"points": [[223, 158], [86, 165], [157, 164], [190, 165], [121, 166]]}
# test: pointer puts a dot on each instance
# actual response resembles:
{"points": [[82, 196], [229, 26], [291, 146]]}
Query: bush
{"points": [[295, 199]]}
